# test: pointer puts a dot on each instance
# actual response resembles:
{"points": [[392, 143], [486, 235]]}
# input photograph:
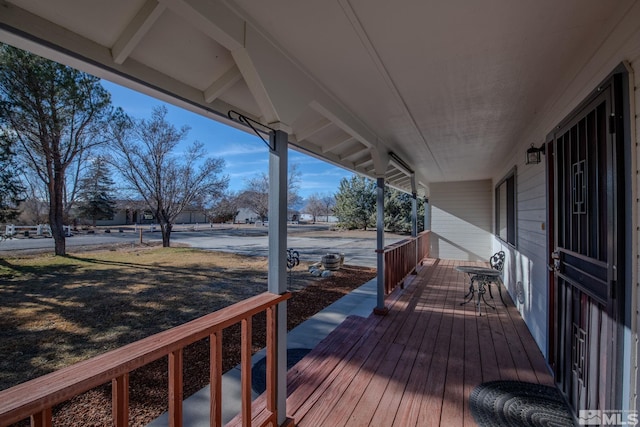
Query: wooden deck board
{"points": [[418, 364]]}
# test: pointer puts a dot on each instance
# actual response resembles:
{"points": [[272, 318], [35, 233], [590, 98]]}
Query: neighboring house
{"points": [[319, 218], [246, 216], [129, 213]]}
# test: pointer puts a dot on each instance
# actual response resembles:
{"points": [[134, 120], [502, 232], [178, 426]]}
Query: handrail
{"points": [[401, 259], [36, 397]]}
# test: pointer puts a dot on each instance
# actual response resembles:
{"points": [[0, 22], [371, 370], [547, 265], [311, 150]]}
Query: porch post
{"points": [[427, 215], [414, 229], [414, 215], [380, 307], [276, 278]]}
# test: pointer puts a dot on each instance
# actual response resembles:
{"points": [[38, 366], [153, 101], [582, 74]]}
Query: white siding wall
{"points": [[461, 220], [527, 262], [525, 273]]}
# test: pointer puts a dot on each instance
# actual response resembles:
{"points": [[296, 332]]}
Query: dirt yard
{"points": [[56, 311]]}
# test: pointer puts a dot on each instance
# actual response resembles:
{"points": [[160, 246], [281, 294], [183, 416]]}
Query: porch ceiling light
{"points": [[533, 155]]}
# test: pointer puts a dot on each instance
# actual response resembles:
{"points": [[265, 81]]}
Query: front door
{"points": [[587, 261]]}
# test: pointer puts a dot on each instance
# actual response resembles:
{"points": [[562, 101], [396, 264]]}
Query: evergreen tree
{"points": [[53, 114], [397, 211], [96, 201], [356, 202], [10, 185]]}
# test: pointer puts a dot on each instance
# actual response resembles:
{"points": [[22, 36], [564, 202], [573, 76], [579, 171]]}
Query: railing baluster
{"points": [[120, 400], [246, 371], [215, 377], [175, 388], [401, 259], [42, 419], [272, 362]]}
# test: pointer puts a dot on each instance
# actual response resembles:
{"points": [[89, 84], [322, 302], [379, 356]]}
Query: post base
{"points": [[381, 311]]}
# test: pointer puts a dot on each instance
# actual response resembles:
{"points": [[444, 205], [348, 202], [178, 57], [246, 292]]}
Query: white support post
{"points": [[414, 215], [414, 225], [277, 274], [380, 307], [427, 215]]}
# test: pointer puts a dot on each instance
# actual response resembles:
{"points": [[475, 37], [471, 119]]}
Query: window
{"points": [[506, 208]]}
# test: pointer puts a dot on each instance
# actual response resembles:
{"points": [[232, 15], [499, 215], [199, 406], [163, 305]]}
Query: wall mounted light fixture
{"points": [[533, 155]]}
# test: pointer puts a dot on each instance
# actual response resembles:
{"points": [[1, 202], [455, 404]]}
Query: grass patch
{"points": [[56, 311]]}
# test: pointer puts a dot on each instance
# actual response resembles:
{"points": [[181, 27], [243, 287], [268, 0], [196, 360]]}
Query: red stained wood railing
{"points": [[402, 258], [423, 245], [34, 399]]}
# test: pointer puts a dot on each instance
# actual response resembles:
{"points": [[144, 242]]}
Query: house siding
{"points": [[461, 218], [525, 271], [527, 261]]}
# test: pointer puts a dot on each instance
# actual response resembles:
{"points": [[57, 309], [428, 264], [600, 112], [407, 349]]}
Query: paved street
{"points": [[358, 247]]}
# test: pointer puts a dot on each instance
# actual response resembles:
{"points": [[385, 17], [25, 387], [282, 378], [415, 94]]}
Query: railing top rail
{"points": [[398, 244], [43, 392]]}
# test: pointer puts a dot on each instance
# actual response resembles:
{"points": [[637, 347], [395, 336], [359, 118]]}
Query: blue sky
{"points": [[245, 154]]}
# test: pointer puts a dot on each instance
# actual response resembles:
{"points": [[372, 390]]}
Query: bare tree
{"points": [[54, 113], [329, 204], [168, 182], [314, 206], [225, 208], [255, 195], [256, 192]]}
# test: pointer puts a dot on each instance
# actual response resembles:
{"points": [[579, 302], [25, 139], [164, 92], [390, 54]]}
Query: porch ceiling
{"points": [[449, 87]]}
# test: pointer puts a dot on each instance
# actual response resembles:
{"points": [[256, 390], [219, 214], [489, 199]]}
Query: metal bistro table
{"points": [[484, 276]]}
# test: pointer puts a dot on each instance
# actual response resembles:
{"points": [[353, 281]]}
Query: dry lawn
{"points": [[56, 311]]}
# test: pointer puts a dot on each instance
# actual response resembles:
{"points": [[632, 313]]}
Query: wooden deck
{"points": [[417, 365]]}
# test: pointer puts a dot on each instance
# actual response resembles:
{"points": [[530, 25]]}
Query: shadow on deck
{"points": [[418, 364]]}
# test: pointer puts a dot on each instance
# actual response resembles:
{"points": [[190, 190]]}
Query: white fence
{"points": [[39, 230]]}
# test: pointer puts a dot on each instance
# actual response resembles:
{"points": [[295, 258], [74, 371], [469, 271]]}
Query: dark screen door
{"points": [[586, 190]]}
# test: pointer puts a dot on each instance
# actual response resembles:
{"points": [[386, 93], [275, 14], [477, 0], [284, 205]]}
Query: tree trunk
{"points": [[56, 215], [166, 234]]}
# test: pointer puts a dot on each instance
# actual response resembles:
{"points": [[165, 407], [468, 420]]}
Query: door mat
{"points": [[515, 403]]}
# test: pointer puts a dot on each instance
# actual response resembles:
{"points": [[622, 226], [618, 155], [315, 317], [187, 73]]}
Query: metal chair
{"points": [[497, 263]]}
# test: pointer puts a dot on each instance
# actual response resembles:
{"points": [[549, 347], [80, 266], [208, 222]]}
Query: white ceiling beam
{"points": [[340, 123], [220, 86], [394, 174], [135, 31], [353, 153], [380, 161], [400, 167], [256, 85], [213, 18], [313, 129], [337, 144], [363, 163]]}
